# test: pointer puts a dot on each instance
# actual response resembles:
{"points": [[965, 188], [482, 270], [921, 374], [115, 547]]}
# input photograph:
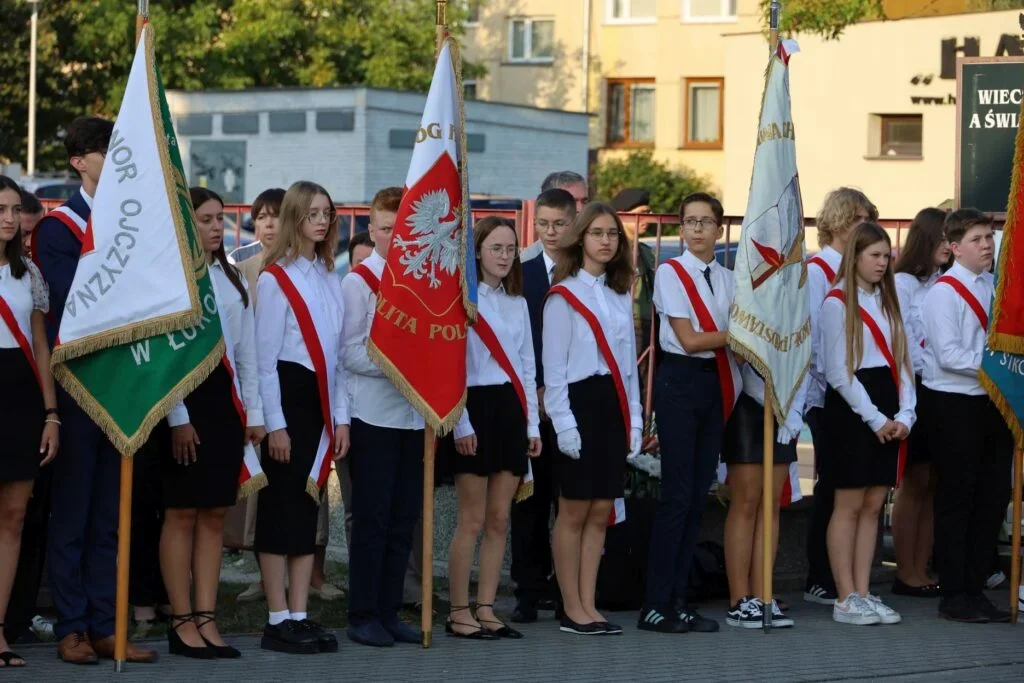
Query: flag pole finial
{"points": [[773, 25], [441, 21]]}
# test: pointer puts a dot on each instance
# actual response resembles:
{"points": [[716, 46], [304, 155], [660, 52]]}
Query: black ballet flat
{"points": [[219, 651], [504, 632], [480, 633], [176, 646], [901, 588]]}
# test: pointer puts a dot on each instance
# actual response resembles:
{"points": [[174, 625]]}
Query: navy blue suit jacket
{"points": [[535, 288], [56, 251]]}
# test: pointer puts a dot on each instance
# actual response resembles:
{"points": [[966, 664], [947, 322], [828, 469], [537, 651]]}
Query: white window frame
{"points": [[627, 21], [469, 22], [528, 41], [722, 18]]}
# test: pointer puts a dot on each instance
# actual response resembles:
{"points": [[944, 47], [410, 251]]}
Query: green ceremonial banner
{"points": [[157, 334]]}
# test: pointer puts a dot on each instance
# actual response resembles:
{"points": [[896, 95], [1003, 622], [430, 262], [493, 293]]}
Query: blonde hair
{"points": [[290, 240], [839, 212], [863, 237]]}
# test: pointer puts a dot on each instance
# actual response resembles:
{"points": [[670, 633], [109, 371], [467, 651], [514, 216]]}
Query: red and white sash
{"points": [[20, 336], [80, 227], [324, 362], [486, 334], [968, 296], [372, 281], [883, 346], [728, 372], [830, 273], [620, 387]]}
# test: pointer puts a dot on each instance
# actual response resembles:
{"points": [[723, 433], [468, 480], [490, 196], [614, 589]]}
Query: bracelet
{"points": [[53, 421], [50, 411]]}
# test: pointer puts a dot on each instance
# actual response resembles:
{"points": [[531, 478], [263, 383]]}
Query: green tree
{"points": [[667, 185], [826, 18]]}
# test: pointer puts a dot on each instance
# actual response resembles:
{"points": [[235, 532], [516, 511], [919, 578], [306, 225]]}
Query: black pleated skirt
{"points": [[919, 446], [212, 480], [500, 426], [743, 442], [22, 415], [286, 515], [857, 459], [599, 472]]}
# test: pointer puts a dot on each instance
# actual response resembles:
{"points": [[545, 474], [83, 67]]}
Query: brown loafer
{"points": [[105, 649], [74, 648]]}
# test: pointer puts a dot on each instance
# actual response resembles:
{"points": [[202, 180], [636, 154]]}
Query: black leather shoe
{"points": [[525, 612], [402, 632], [990, 611], [371, 633], [289, 636], [929, 591], [325, 640], [567, 625], [963, 609]]}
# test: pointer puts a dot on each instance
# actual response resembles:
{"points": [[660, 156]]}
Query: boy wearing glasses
{"points": [[697, 385], [531, 545]]}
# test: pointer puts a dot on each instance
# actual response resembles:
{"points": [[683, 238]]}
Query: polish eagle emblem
{"points": [[434, 245]]}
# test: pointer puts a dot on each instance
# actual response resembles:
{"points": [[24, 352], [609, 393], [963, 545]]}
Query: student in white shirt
{"points": [[386, 463], [869, 410], [208, 435], [28, 400], [497, 431], [695, 388], [976, 445], [299, 307], [922, 259], [843, 209], [593, 398]]}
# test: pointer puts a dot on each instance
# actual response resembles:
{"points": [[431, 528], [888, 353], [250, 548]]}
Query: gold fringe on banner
{"points": [[312, 489], [250, 487], [1012, 420], [524, 491], [467, 212], [747, 354]]}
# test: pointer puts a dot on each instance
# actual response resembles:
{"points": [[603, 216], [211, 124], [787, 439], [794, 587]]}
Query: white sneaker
{"points": [[326, 591], [995, 580], [1020, 599], [887, 614], [43, 628], [855, 610], [253, 592]]}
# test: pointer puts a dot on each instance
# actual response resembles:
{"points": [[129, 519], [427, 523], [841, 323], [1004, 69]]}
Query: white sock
{"points": [[276, 618], [298, 616]]}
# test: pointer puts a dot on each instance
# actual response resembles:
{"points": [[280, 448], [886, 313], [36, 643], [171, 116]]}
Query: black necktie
{"points": [[707, 278]]}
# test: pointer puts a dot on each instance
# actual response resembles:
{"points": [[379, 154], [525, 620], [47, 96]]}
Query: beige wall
{"points": [[836, 86]]}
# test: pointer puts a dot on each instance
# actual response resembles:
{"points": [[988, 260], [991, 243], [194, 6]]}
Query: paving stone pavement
{"points": [[922, 648]]}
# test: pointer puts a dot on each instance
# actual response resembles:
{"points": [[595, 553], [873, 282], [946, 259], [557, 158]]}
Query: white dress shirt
{"points": [[911, 293], [817, 288], [549, 265], [571, 353], [509, 318], [375, 400], [278, 337], [671, 301], [239, 324], [833, 354], [23, 295], [954, 338]]}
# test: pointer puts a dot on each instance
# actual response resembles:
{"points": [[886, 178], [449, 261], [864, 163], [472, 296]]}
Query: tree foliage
{"points": [[825, 18], [85, 52], [667, 185]]}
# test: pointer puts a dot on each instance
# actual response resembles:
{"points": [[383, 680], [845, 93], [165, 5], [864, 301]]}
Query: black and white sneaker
{"points": [[746, 613], [695, 622], [653, 619], [820, 595], [779, 618]]}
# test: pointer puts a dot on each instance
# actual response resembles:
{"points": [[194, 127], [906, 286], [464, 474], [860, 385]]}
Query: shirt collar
{"points": [[962, 273], [830, 253], [688, 259], [485, 289], [591, 280], [86, 197], [305, 265], [549, 263]]}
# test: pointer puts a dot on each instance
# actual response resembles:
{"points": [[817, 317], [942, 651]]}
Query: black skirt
{"points": [[919, 448], [22, 416], [857, 459], [497, 418], [286, 515], [599, 472], [212, 480], [743, 442]]}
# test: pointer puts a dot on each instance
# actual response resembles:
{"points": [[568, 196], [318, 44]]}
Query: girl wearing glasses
{"points": [[299, 314], [498, 431], [593, 397], [923, 258]]}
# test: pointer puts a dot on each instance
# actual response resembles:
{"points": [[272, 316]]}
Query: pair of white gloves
{"points": [[570, 442]]}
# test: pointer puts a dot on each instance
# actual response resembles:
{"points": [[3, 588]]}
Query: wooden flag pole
{"points": [[1018, 477], [124, 520]]}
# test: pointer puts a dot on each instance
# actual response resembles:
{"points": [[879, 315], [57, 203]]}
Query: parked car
{"points": [[57, 188], [725, 254]]}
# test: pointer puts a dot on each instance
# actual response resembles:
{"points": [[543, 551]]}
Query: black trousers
{"points": [[145, 581], [531, 528], [973, 489], [819, 571], [29, 576], [688, 398], [387, 495]]}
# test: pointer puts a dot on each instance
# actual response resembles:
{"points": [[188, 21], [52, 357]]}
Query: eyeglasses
{"points": [[497, 250], [327, 216], [613, 235], [548, 226], [702, 223]]}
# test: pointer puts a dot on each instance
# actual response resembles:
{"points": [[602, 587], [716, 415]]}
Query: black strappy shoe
{"points": [[9, 656], [177, 647], [505, 631], [219, 651], [479, 634]]}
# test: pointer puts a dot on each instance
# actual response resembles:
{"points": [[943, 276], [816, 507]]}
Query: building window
{"points": [[472, 12], [531, 40], [469, 90], [709, 11], [631, 112], [630, 11], [899, 135], [704, 110]]}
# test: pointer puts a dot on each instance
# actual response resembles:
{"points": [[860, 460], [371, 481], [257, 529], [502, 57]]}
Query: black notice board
{"points": [[988, 106]]}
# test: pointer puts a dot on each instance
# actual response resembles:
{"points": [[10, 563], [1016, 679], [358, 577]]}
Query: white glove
{"points": [[570, 443], [790, 429], [635, 441]]}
